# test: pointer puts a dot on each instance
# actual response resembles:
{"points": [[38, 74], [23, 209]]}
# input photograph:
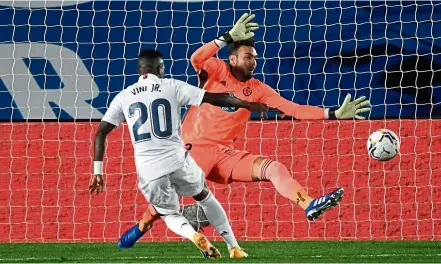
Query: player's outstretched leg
{"points": [[322, 204], [197, 218], [206, 248], [180, 225], [194, 213], [218, 219], [129, 238]]}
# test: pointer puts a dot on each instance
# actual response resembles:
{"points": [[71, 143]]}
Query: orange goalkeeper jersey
{"points": [[224, 125]]}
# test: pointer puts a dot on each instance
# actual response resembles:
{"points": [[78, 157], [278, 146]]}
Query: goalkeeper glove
{"points": [[242, 30], [351, 109]]}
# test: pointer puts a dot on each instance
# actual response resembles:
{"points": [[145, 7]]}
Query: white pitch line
{"points": [[194, 257], [375, 255]]}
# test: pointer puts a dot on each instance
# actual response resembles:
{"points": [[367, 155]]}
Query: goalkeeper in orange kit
{"points": [[209, 131]]}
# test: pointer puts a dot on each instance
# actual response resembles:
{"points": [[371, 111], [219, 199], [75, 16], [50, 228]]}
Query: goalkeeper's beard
{"points": [[245, 74]]}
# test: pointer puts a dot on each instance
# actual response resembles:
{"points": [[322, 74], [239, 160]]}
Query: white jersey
{"points": [[151, 108]]}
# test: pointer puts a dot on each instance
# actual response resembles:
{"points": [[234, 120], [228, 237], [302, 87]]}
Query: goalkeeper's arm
{"points": [[348, 110]]}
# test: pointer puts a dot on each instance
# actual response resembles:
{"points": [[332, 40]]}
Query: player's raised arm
{"points": [[242, 30], [348, 110]]}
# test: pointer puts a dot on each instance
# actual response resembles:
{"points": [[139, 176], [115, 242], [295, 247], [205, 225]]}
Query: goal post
{"points": [[62, 62]]}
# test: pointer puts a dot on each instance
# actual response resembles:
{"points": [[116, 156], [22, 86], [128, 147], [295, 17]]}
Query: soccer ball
{"points": [[383, 144]]}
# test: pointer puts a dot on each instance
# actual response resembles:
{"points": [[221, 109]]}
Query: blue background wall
{"points": [[312, 52]]}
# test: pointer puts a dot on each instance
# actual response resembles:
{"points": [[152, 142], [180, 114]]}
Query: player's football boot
{"points": [[206, 248], [236, 252], [129, 238], [322, 204]]}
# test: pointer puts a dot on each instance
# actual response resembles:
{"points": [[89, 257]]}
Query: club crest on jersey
{"points": [[247, 91], [230, 109]]}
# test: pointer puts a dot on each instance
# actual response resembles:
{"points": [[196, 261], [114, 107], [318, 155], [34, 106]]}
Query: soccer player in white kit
{"points": [[151, 108]]}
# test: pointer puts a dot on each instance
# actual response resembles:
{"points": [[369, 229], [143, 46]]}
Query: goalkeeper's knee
{"points": [[150, 215]]}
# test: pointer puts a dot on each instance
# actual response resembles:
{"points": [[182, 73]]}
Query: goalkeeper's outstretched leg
{"points": [[263, 169]]}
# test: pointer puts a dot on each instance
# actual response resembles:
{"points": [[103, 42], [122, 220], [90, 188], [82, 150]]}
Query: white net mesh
{"points": [[61, 63]]}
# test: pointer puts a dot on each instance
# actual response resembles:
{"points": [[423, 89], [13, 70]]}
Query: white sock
{"points": [[179, 225], [218, 219]]}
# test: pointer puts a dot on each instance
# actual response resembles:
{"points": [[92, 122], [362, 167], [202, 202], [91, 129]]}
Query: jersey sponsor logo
{"points": [[232, 108], [247, 91]]}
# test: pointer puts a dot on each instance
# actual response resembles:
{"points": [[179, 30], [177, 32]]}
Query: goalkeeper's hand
{"points": [[352, 109], [97, 184], [243, 28]]}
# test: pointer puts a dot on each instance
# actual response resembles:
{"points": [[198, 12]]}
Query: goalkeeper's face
{"points": [[244, 60]]}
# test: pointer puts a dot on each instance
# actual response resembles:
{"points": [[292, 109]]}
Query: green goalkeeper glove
{"points": [[351, 109], [242, 30]]}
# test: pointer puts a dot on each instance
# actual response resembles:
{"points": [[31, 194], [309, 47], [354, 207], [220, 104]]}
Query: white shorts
{"points": [[163, 192]]}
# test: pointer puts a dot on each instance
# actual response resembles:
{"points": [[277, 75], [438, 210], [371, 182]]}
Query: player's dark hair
{"points": [[150, 54], [148, 61], [236, 45]]}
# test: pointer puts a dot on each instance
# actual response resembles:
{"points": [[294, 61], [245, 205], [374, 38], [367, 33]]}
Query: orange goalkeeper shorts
{"points": [[221, 164]]}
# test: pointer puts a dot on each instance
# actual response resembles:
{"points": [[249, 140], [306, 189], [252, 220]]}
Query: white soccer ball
{"points": [[383, 144]]}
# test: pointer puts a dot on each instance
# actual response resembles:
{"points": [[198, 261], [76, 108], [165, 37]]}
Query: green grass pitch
{"points": [[275, 251]]}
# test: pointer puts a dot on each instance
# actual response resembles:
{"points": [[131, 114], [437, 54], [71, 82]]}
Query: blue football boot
{"points": [[322, 204]]}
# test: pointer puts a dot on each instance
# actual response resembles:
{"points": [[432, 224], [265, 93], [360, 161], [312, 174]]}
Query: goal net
{"points": [[62, 62]]}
